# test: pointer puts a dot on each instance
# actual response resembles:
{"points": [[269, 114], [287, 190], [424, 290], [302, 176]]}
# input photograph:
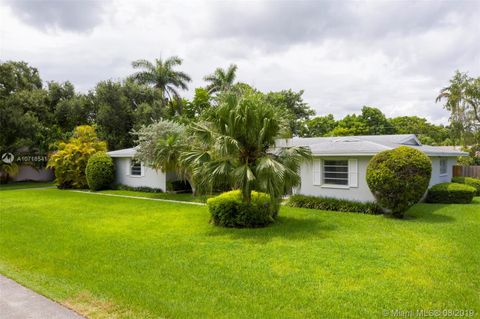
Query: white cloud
{"points": [[395, 55]]}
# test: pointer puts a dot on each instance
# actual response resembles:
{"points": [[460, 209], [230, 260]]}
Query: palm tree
{"points": [[462, 99], [161, 75], [221, 80], [237, 145]]}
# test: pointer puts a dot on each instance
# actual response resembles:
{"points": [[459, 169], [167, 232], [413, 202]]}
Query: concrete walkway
{"points": [[18, 302], [140, 197]]}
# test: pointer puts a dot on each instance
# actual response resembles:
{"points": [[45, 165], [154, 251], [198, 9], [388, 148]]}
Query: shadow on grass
{"points": [[429, 213], [285, 227]]}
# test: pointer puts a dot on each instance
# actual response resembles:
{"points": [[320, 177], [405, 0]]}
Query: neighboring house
{"points": [[339, 164], [29, 173], [133, 173]]}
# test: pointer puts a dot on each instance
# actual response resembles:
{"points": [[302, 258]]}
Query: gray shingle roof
{"points": [[126, 152], [365, 145]]}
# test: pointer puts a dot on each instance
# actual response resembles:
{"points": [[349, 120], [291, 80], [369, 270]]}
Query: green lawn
{"points": [[23, 185], [186, 197], [131, 258]]}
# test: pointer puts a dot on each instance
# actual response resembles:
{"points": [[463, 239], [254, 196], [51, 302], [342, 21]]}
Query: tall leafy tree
{"points": [[462, 99], [318, 126], [200, 102], [161, 74], [221, 79], [121, 107], [375, 121], [292, 107], [428, 133], [25, 117], [16, 76]]}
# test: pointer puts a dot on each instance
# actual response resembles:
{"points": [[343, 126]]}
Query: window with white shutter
{"points": [[353, 173], [317, 172]]}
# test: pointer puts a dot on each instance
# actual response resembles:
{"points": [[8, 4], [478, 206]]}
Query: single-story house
{"points": [[338, 168], [131, 172], [339, 164]]}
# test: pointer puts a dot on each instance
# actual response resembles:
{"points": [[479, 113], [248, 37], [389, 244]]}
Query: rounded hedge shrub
{"points": [[470, 181], [228, 210], [399, 178], [451, 193], [100, 171]]}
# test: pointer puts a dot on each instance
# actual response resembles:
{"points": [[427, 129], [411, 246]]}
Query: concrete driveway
{"points": [[18, 302]]}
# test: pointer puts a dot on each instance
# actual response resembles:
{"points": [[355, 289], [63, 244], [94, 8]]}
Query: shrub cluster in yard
{"points": [[474, 182], [228, 210], [451, 193], [71, 158], [399, 178], [144, 189], [334, 204], [100, 171]]}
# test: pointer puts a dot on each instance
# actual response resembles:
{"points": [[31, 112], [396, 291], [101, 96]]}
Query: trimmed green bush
{"points": [[399, 178], [100, 171], [451, 193], [144, 189], [228, 210], [333, 204], [470, 181]]}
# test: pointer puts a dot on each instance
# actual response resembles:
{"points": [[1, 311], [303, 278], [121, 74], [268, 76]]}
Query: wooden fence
{"points": [[470, 171]]}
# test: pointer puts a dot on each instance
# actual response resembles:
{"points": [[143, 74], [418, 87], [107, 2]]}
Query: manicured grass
{"points": [[24, 185], [186, 197], [130, 258]]}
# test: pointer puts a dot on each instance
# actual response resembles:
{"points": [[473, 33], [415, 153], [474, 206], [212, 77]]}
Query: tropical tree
{"points": [[71, 158], [318, 126], [292, 107], [160, 146], [221, 80], [161, 74], [236, 144], [462, 99]]}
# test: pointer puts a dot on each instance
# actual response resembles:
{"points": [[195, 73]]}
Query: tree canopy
{"points": [[37, 114], [462, 99]]}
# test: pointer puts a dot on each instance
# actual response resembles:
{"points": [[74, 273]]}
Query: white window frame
{"points": [[325, 170], [129, 169], [318, 173], [443, 166]]}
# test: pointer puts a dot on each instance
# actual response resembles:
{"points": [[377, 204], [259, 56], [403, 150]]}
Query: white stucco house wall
{"points": [[339, 164], [338, 168], [133, 173]]}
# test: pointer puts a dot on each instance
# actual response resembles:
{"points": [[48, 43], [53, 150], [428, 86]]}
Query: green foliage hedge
{"points": [[100, 171], [470, 181], [144, 189], [228, 210], [399, 178], [333, 204], [451, 193]]}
